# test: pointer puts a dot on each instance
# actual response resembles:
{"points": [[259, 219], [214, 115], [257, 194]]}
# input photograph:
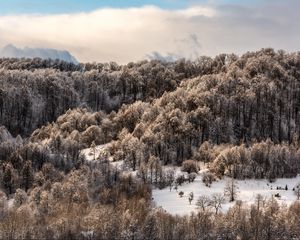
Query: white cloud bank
{"points": [[124, 35]]}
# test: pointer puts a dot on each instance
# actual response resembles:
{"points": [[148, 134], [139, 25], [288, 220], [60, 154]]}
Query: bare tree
{"points": [[203, 202], [216, 201], [143, 172], [231, 190], [191, 197], [260, 201], [170, 177], [93, 147], [176, 186]]}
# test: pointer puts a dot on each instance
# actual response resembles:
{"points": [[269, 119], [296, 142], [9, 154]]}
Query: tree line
{"points": [[34, 91]]}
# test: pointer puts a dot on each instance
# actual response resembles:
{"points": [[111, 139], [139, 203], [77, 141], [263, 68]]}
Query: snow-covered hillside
{"points": [[247, 192], [11, 51]]}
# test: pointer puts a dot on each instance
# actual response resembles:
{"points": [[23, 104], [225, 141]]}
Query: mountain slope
{"points": [[11, 51]]}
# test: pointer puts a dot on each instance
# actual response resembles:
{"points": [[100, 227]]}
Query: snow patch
{"points": [[10, 203], [247, 192], [92, 154]]}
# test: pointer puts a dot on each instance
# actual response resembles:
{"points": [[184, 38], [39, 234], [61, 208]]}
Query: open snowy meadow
{"points": [[247, 190]]}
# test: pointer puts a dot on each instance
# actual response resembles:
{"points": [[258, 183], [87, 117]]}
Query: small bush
{"points": [[208, 178], [190, 166], [180, 180], [192, 177], [277, 195]]}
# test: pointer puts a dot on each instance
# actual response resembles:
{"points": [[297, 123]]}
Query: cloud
{"points": [[170, 57], [131, 34]]}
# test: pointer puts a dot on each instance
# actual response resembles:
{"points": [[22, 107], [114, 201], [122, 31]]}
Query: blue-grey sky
{"points": [[131, 30], [69, 6]]}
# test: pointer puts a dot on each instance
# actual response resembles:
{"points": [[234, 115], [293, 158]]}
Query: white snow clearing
{"points": [[92, 154], [247, 191], [171, 202]]}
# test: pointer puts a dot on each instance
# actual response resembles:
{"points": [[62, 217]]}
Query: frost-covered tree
{"points": [[190, 166], [297, 191], [208, 179], [150, 228], [9, 179], [27, 176], [20, 197]]}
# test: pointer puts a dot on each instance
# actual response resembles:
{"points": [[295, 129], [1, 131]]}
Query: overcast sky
{"points": [[131, 30]]}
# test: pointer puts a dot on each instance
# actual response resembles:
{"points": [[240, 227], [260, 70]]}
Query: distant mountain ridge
{"points": [[11, 51]]}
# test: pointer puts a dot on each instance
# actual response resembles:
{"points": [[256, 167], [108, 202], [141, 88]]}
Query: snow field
{"points": [[247, 192], [171, 202]]}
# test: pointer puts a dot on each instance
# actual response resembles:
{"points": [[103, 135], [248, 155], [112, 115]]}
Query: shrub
{"points": [[190, 166], [192, 177], [180, 180], [208, 178]]}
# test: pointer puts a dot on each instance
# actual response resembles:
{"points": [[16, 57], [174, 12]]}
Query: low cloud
{"points": [[124, 35], [170, 57]]}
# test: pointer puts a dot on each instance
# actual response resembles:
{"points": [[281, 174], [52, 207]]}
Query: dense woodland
{"points": [[239, 115]]}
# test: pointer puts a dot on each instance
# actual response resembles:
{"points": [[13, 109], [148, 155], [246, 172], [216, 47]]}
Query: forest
{"points": [[237, 115]]}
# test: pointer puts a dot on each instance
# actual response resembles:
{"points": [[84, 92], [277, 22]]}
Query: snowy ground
{"points": [[172, 203], [93, 154], [100, 150], [248, 190], [10, 203]]}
